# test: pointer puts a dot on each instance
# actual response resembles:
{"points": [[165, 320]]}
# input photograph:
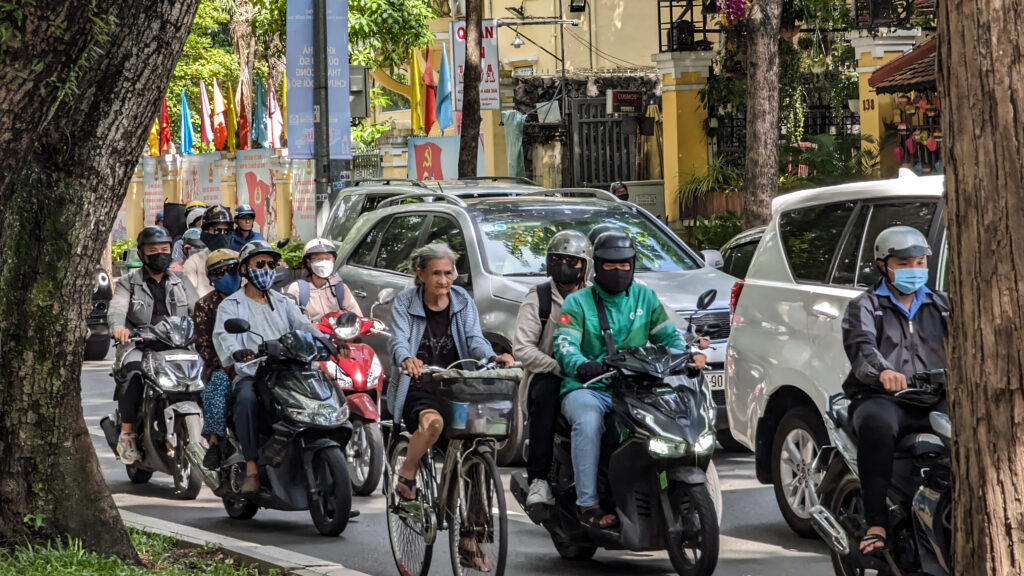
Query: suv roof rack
{"points": [[511, 179], [575, 193], [394, 200], [389, 181]]}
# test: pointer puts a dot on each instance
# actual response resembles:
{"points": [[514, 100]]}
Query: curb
{"points": [[264, 557]]}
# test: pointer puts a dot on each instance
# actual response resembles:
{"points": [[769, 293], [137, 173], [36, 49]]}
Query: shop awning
{"points": [[914, 71]]}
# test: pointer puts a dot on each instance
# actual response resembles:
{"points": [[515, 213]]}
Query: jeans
{"points": [[216, 396], [585, 410], [246, 417], [542, 411]]}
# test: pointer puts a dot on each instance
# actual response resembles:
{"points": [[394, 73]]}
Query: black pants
{"points": [[130, 397], [879, 423], [246, 417], [543, 407]]}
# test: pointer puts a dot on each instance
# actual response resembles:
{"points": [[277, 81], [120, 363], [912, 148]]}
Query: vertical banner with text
{"points": [[201, 178], [490, 98], [299, 56], [303, 200], [255, 186], [153, 188]]}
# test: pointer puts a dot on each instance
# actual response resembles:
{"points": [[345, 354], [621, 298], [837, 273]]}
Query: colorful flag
{"points": [[186, 126], [220, 129], [275, 122], [154, 138], [416, 95], [284, 110], [259, 112], [444, 93], [205, 129], [231, 121], [243, 120], [165, 126], [429, 104]]}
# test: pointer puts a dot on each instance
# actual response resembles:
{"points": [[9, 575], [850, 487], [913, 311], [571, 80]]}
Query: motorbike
{"points": [[303, 433], [170, 419], [658, 442], [919, 497], [358, 374]]}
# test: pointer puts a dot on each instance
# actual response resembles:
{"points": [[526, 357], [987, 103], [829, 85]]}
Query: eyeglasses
{"points": [[221, 272], [563, 259], [264, 264], [219, 231]]}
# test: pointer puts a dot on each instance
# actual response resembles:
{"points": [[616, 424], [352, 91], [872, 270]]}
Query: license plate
{"points": [[716, 380]]}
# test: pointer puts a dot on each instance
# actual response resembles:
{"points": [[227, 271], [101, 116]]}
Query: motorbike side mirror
{"points": [[283, 242], [386, 296], [236, 326], [706, 299], [346, 327]]}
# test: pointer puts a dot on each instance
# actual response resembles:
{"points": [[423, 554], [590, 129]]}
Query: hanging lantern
{"points": [[902, 128], [937, 134], [899, 153], [904, 100], [911, 110], [932, 144], [911, 145], [931, 111]]}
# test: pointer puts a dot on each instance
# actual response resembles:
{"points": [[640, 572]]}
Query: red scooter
{"points": [[359, 375]]}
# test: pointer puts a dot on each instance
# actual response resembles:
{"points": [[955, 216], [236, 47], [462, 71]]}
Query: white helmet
{"points": [[319, 246], [901, 242]]}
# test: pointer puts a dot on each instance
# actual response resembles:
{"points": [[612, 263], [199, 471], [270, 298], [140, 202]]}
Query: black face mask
{"points": [[565, 274], [613, 281], [158, 263], [215, 241]]}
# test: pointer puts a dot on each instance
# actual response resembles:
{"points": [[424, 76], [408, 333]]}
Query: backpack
{"points": [[543, 305], [339, 293]]}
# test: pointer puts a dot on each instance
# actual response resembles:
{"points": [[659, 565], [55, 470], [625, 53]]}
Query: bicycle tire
{"points": [[409, 561], [480, 473]]}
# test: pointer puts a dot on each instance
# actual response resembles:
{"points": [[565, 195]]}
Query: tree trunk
{"points": [[105, 65], [982, 90], [762, 162], [470, 142]]}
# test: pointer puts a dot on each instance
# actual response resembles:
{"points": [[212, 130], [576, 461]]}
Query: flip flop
{"points": [[874, 559], [409, 483], [593, 517], [473, 559]]}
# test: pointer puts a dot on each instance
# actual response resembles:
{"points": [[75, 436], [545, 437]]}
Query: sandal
{"points": [[410, 484], [473, 559], [594, 516], [870, 540]]}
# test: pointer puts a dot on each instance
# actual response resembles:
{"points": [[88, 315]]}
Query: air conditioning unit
{"points": [[458, 8]]}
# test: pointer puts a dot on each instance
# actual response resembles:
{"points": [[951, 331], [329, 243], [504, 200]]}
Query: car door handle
{"points": [[826, 310], [359, 293]]}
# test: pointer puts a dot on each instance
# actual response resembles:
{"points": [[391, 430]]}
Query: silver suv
{"points": [[501, 243]]}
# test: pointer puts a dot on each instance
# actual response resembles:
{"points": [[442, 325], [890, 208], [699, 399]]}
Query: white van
{"points": [[785, 354]]}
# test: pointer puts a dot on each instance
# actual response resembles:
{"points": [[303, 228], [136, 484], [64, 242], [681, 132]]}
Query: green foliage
{"points": [[382, 33], [714, 232], [292, 254], [203, 147], [831, 160], [12, 26], [35, 521], [118, 249], [720, 176], [792, 96], [364, 132]]}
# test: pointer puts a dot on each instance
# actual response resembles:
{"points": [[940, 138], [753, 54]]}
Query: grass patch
{"points": [[161, 556]]}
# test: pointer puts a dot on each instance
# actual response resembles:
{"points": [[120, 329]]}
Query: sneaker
{"points": [[126, 451], [540, 493], [213, 458]]}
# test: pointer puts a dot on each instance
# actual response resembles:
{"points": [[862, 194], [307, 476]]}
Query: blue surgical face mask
{"points": [[228, 283], [262, 278], [909, 280]]}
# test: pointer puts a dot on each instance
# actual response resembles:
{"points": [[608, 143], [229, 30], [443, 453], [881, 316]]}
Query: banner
{"points": [[120, 230], [255, 186], [490, 98], [200, 179], [437, 158], [299, 57], [153, 188], [304, 199]]}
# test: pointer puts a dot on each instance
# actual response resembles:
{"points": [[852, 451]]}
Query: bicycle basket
{"points": [[477, 405]]}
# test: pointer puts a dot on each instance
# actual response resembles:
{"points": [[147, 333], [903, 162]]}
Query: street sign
{"points": [[490, 97], [624, 101]]}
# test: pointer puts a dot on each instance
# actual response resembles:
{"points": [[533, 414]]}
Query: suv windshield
{"points": [[516, 239]]}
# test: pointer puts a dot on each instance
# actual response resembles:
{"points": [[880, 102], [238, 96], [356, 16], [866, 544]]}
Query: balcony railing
{"points": [[683, 24], [894, 13]]}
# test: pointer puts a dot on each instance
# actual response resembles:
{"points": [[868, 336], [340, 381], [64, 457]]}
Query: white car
{"points": [[785, 355]]}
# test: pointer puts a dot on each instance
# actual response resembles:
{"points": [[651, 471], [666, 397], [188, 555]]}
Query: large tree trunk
{"points": [[981, 82], [470, 141], [762, 174], [105, 66]]}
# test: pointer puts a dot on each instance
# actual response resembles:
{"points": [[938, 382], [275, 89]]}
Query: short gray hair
{"points": [[435, 251]]}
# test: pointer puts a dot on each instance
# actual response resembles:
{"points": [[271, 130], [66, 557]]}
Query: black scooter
{"points": [[658, 443], [302, 440]]}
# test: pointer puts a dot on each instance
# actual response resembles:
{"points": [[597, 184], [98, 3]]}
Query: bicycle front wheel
{"points": [[408, 522], [478, 520]]}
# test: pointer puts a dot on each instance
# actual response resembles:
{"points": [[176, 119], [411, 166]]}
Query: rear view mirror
{"points": [[283, 242], [713, 259], [236, 326], [386, 296], [706, 299]]}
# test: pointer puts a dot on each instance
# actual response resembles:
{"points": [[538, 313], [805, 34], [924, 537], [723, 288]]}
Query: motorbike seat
{"points": [[920, 444], [845, 422]]}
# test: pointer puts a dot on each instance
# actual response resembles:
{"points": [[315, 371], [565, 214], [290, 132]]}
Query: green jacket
{"points": [[636, 317]]}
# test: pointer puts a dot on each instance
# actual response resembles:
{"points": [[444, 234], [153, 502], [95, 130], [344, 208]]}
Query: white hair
{"points": [[422, 256]]}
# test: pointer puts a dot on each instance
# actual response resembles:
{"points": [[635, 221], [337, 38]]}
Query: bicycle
{"points": [[465, 496]]}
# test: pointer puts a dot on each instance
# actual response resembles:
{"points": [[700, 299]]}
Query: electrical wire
{"points": [[605, 55]]}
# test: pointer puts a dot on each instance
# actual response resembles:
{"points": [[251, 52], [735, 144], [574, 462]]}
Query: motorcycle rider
{"points": [[143, 297], [245, 219], [222, 271], [890, 332], [568, 265], [270, 315], [635, 316], [194, 211], [323, 291], [215, 235]]}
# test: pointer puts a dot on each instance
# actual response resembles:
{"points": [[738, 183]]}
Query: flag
{"points": [[154, 138], [220, 128], [242, 99], [429, 104], [165, 127], [259, 112], [284, 110], [186, 126], [444, 92], [205, 129], [231, 121], [428, 161], [416, 96], [275, 122]]}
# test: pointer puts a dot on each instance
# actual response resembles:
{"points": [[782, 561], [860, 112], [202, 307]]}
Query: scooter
{"points": [[920, 494], [303, 436], [170, 419], [359, 375], [658, 442]]}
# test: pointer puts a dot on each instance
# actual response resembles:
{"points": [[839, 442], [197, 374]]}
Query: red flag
{"points": [[429, 113], [243, 130], [428, 162], [165, 127]]}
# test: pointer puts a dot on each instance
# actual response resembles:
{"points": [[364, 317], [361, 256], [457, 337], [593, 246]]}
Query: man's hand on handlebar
{"points": [[122, 335], [589, 370], [506, 360], [413, 366], [893, 381], [700, 361], [242, 356]]}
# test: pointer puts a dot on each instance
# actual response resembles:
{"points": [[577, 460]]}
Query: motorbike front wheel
{"points": [[330, 511], [694, 549], [365, 455], [848, 507], [188, 481]]}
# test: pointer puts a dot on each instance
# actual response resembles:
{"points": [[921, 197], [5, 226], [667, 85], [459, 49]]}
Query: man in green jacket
{"points": [[635, 317]]}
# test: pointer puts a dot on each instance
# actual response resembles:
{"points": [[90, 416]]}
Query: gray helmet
{"points": [[257, 247], [901, 242], [192, 237], [194, 213], [573, 243]]}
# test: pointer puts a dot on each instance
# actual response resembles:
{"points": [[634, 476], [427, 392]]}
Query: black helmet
{"points": [[153, 235], [600, 229], [216, 215], [614, 246], [257, 247]]}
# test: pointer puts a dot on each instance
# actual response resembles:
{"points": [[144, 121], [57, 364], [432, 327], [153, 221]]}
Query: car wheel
{"points": [[799, 437], [730, 444], [96, 348]]}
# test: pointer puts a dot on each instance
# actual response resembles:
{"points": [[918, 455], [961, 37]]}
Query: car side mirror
{"points": [[706, 299], [236, 326], [463, 281], [713, 259]]}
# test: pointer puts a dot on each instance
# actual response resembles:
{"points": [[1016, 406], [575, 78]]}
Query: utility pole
{"points": [[321, 117]]}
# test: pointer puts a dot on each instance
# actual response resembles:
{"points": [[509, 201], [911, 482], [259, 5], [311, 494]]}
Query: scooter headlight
{"points": [[374, 373], [664, 448], [317, 413], [705, 444], [651, 422]]}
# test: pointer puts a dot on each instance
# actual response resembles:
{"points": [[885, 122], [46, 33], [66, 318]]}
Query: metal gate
{"points": [[604, 151], [367, 164]]}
